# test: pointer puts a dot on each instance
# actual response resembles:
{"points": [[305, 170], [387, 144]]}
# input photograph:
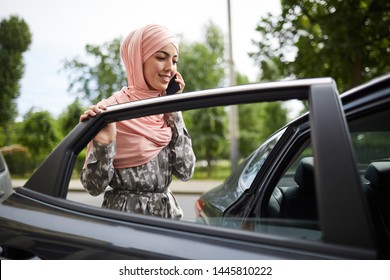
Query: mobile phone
{"points": [[173, 87]]}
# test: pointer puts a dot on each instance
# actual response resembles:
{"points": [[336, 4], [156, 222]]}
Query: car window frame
{"points": [[321, 127], [65, 154], [62, 158]]}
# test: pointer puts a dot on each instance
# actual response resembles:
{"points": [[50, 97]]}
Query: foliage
{"points": [[220, 170], [257, 123], [18, 159], [98, 79], [15, 39], [371, 145], [208, 131], [202, 63], [346, 40], [70, 117], [274, 117], [38, 134], [202, 66]]}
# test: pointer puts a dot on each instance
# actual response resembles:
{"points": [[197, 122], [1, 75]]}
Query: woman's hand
{"points": [[179, 79], [93, 111], [108, 133]]}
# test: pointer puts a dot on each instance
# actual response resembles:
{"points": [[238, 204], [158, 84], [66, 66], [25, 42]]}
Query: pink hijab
{"points": [[140, 140]]}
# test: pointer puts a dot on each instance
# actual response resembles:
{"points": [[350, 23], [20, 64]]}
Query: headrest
{"points": [[304, 175], [378, 173]]}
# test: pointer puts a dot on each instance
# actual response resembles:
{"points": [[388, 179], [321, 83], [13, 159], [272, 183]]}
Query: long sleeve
{"points": [[99, 169], [183, 157], [141, 189]]}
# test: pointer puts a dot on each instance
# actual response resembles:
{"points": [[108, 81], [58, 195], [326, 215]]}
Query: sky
{"points": [[61, 29]]}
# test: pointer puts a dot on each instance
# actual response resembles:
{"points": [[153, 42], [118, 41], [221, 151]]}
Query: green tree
{"points": [[202, 63], [66, 122], [209, 135], [38, 134], [15, 39], [346, 40], [258, 121], [203, 67], [98, 77], [274, 116], [70, 117]]}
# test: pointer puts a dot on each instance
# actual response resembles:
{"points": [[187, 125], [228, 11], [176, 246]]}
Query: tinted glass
{"points": [[258, 159]]}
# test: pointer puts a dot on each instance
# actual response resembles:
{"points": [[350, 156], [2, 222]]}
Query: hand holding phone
{"points": [[173, 86]]}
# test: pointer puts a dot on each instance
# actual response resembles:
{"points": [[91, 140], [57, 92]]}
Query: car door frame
{"points": [[330, 139], [48, 186]]}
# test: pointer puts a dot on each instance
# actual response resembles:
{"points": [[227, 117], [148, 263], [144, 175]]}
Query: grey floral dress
{"points": [[143, 189]]}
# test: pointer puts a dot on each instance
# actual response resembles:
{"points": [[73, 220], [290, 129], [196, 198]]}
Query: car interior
{"points": [[297, 201], [293, 198], [378, 192]]}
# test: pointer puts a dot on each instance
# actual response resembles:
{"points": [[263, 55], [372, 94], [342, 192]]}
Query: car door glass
{"points": [[211, 150], [210, 141], [258, 159], [370, 137], [292, 207], [370, 146]]}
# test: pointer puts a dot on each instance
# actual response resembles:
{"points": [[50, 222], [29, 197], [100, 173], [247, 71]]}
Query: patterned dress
{"points": [[142, 189]]}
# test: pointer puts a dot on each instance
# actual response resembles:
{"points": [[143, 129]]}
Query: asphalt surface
{"points": [[195, 187], [186, 201], [185, 192]]}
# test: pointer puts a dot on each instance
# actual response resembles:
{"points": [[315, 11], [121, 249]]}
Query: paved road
{"points": [[186, 193], [178, 187], [186, 201]]}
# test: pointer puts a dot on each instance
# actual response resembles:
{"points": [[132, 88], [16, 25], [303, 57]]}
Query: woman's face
{"points": [[161, 67]]}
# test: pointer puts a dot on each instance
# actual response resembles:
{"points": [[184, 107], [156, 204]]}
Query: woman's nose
{"points": [[170, 65]]}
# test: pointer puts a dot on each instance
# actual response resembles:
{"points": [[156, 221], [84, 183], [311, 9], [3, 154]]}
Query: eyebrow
{"points": [[166, 53]]}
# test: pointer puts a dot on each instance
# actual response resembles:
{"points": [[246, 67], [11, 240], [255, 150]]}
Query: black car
{"points": [[5, 179], [311, 191], [280, 187]]}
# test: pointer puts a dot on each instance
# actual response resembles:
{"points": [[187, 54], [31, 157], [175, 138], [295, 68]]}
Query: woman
{"points": [[138, 157]]}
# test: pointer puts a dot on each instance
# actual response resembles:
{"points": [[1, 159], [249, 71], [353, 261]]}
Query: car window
{"points": [[370, 138], [209, 131], [370, 146], [5, 179], [250, 172], [292, 207]]}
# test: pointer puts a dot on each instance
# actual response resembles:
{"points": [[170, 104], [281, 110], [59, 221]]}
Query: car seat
{"points": [[296, 202], [378, 193]]}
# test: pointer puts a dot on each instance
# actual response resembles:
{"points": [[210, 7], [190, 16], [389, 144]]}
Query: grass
{"points": [[218, 171]]}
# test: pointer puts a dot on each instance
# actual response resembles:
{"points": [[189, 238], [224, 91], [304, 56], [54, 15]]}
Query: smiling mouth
{"points": [[166, 78]]}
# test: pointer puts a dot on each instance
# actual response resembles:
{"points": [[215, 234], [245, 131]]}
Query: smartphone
{"points": [[173, 87]]}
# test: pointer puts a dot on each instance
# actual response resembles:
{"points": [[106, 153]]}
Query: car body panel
{"points": [[53, 231], [348, 183]]}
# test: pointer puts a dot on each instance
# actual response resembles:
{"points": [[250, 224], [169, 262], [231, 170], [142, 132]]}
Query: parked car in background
{"points": [[315, 190], [5, 180]]}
